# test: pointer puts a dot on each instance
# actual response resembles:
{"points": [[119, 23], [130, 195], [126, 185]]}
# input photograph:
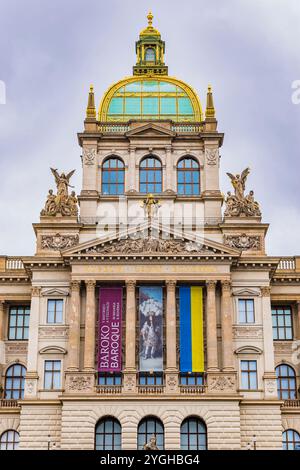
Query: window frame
{"points": [[277, 327], [186, 170], [246, 300], [16, 327], [105, 420], [249, 373], [199, 422], [286, 441], [15, 442], [55, 311], [288, 378], [157, 170], [13, 379], [52, 372], [147, 434], [108, 379], [147, 377], [191, 379], [118, 170]]}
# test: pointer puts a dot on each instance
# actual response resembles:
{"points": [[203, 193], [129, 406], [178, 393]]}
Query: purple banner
{"points": [[110, 329]]}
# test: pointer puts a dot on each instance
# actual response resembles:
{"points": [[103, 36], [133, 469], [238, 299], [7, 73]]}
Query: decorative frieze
{"points": [[243, 241], [17, 348], [59, 331], [221, 383], [59, 242], [79, 383], [249, 332]]}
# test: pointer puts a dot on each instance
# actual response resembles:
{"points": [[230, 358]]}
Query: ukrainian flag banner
{"points": [[191, 329]]}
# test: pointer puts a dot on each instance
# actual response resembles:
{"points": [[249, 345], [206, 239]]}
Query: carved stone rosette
{"points": [[211, 156], [89, 156]]}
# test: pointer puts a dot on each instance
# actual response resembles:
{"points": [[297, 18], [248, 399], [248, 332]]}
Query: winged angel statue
{"points": [[238, 204], [61, 203]]}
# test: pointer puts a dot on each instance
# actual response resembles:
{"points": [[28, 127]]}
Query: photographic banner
{"points": [[110, 329], [191, 329], [151, 328]]}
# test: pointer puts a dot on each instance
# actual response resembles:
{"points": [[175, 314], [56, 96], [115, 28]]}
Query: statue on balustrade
{"points": [[61, 203], [151, 445], [238, 204]]}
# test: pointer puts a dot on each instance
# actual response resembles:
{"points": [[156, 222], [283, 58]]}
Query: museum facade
{"points": [[153, 316]]}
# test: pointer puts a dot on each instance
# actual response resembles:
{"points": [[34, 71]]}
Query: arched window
{"points": [[113, 176], [193, 434], [150, 54], [188, 177], [14, 382], [286, 382], [9, 440], [150, 175], [290, 439], [108, 434], [149, 427]]}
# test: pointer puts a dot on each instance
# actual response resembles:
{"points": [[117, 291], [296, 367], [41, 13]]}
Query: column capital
{"points": [[35, 291], [130, 284], [211, 285], [265, 291], [75, 286], [226, 285], [90, 284], [171, 284]]}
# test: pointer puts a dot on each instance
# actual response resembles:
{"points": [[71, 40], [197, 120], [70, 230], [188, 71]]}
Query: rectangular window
{"points": [[246, 311], [18, 324], [282, 323], [191, 379], [109, 379], [150, 379], [52, 375], [249, 375], [55, 311]]}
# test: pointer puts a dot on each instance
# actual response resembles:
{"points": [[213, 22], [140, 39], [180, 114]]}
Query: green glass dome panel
{"points": [[150, 99]]}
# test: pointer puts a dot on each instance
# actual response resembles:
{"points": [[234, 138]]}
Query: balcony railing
{"points": [[286, 264], [186, 128], [13, 264], [291, 404], [9, 403], [192, 389], [122, 127], [151, 389], [108, 389], [113, 127]]}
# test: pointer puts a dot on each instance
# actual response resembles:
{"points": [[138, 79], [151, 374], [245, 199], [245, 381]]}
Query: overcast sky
{"points": [[51, 50]]}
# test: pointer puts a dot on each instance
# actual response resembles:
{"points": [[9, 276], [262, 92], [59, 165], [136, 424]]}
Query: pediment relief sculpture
{"points": [[238, 204], [59, 242], [62, 203], [149, 245], [243, 241]]}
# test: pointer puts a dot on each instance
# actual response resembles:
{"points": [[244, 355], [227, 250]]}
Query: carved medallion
{"points": [[59, 242], [89, 156], [243, 242]]}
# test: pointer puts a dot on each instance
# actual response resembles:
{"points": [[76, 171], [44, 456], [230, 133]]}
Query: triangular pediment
{"points": [[151, 240], [150, 130]]}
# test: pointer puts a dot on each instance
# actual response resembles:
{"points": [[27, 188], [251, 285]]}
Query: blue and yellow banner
{"points": [[191, 329]]}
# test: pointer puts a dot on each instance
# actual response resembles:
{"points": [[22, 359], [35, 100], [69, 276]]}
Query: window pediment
{"points": [[53, 350], [248, 350]]}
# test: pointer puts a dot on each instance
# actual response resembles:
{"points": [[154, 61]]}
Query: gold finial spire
{"points": [[91, 109], [210, 110], [150, 18]]}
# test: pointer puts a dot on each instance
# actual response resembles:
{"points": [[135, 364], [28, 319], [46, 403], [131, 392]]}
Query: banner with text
{"points": [[191, 329], [110, 329], [151, 328]]}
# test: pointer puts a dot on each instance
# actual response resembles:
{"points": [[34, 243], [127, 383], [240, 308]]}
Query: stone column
{"points": [[90, 324], [171, 359], [130, 338], [226, 321], [270, 384], [131, 169], [74, 327], [298, 321], [211, 327], [32, 355], [169, 169]]}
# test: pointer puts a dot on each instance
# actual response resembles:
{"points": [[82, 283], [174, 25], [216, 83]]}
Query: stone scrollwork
{"points": [[221, 383], [62, 203], [59, 242], [89, 156], [243, 241], [238, 204]]}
